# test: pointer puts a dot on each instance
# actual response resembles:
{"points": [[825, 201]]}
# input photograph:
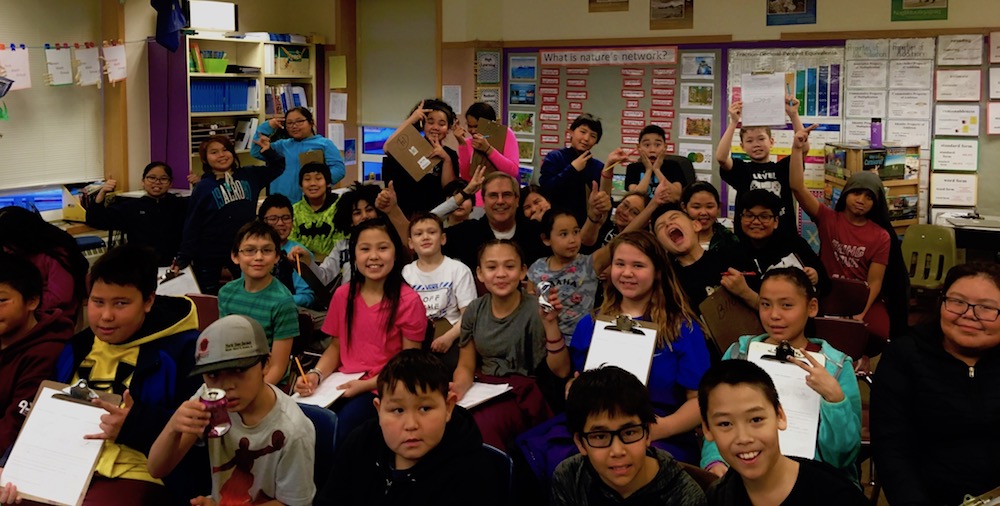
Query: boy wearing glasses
{"points": [[277, 212], [609, 413], [256, 294]]}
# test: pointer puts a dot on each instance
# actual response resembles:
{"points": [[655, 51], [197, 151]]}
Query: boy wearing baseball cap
{"points": [[268, 453]]}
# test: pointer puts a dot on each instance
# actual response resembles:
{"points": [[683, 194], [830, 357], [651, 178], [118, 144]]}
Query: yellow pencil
{"points": [[301, 371], [298, 267]]}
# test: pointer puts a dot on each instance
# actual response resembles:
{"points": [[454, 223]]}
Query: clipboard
{"points": [[495, 134], [800, 403], [623, 342], [727, 318], [441, 325], [413, 152], [312, 156], [55, 426]]}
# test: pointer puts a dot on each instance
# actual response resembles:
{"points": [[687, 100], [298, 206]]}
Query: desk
{"points": [[984, 240]]}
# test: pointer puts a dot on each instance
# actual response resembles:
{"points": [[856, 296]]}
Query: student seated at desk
{"points": [[259, 295], [30, 342], [935, 404], [741, 414], [156, 219], [787, 301], [140, 346], [53, 252], [422, 449], [276, 211]]}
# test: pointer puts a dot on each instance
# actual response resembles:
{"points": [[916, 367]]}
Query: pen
{"points": [[745, 273], [788, 90], [302, 372]]}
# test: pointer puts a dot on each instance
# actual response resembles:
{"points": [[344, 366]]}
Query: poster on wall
{"points": [[490, 96], [919, 10], [522, 122], [697, 95], [607, 5], [791, 12], [521, 94], [523, 68], [671, 14], [487, 67], [697, 66]]}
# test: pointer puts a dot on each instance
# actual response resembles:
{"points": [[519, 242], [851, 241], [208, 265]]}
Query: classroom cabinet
{"points": [[222, 86]]}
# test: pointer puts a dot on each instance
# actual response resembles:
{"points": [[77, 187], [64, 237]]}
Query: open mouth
{"points": [[748, 456], [676, 235]]}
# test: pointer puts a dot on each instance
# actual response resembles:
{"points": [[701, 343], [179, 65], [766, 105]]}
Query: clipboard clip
{"points": [[624, 323], [167, 276], [782, 353], [544, 287], [79, 392]]}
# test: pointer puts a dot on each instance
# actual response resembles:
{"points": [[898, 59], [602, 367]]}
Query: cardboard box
{"points": [[413, 152]]}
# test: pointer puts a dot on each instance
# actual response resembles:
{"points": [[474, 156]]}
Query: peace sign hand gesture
{"points": [[818, 378]]}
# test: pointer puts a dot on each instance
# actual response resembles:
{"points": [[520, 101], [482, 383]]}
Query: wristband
{"points": [[560, 340], [557, 350], [317, 372], [464, 195], [592, 220], [611, 175]]}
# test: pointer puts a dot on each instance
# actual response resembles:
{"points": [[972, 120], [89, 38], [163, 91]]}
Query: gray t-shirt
{"points": [[577, 287], [271, 460], [514, 344]]}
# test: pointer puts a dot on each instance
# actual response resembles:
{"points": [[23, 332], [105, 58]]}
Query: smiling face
{"points": [[501, 270], [280, 219], [758, 223], [677, 232], [583, 138], [298, 126], [744, 426], [652, 146], [156, 182], [623, 467], [16, 314], [243, 386], [314, 186], [535, 206], [426, 238], [757, 144], [116, 312], [784, 310], [500, 201], [627, 210], [256, 257], [703, 208], [413, 424], [375, 255], [564, 238], [363, 211], [473, 125], [965, 335], [219, 158], [859, 202], [632, 273], [436, 126]]}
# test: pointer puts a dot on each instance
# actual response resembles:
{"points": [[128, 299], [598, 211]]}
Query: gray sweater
{"points": [[576, 483]]}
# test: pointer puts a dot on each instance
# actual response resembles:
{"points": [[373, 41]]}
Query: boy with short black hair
{"points": [[741, 413], [653, 166], [141, 346], [30, 342], [258, 295], [276, 211], [445, 285], [568, 174], [609, 413], [760, 171], [268, 453], [422, 450], [312, 223]]}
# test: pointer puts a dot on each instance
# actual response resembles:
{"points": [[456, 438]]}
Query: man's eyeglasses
{"points": [[154, 179], [981, 312], [603, 438], [764, 219], [271, 220]]}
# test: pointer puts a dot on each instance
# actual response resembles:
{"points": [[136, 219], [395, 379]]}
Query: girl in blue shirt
{"points": [[302, 137]]}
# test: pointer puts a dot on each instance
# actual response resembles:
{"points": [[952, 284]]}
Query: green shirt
{"points": [[314, 229], [272, 307]]}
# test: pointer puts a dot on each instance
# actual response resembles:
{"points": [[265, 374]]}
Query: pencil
{"points": [[301, 371], [298, 267], [747, 273]]}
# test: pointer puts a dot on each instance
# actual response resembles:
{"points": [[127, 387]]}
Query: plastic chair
{"points": [[325, 423], [847, 297], [207, 307], [929, 251], [687, 168], [502, 467]]}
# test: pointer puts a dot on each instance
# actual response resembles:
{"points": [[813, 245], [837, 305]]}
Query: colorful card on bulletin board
{"points": [[919, 10], [671, 14], [488, 67], [789, 12]]}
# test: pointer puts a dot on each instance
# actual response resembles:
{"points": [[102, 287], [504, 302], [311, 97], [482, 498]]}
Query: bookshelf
{"points": [[186, 103], [897, 167]]}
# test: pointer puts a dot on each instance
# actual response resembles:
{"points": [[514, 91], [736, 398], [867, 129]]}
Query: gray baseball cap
{"points": [[231, 342]]}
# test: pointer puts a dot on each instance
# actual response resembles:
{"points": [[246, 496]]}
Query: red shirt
{"points": [[848, 250]]}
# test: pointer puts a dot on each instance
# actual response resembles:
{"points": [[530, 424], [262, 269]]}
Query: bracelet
{"points": [[592, 220], [557, 350], [560, 340], [464, 195], [317, 372], [611, 176]]}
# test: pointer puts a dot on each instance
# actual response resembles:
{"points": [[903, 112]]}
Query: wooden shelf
{"points": [[205, 75], [223, 114], [276, 76], [885, 182]]}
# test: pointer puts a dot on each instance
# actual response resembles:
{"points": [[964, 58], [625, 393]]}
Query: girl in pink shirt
{"points": [[506, 162], [370, 320]]}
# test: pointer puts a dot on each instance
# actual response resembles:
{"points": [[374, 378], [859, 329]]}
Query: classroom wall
{"points": [[512, 20], [397, 58]]}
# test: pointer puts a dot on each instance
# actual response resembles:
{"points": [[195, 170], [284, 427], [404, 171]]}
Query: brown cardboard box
{"points": [[412, 151]]}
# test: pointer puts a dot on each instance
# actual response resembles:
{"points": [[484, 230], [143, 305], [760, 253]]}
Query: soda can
{"points": [[215, 400]]}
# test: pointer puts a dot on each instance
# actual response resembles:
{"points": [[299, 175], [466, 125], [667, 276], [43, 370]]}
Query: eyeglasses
{"points": [[764, 219], [296, 122], [602, 438], [252, 252], [498, 196], [981, 312], [154, 179], [271, 220]]}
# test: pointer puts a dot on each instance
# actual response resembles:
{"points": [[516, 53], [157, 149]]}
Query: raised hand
{"points": [[419, 114], [276, 123], [581, 161], [599, 203], [386, 198], [459, 133], [618, 156], [480, 143], [801, 138], [263, 141], [819, 379], [791, 105], [735, 113], [476, 181]]}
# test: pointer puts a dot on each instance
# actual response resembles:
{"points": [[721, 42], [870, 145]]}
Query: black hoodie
{"points": [[458, 471], [934, 421]]}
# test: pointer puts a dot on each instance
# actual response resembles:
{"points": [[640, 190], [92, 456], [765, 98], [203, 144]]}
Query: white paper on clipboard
{"points": [[632, 351], [178, 286], [801, 403], [763, 99], [51, 461]]}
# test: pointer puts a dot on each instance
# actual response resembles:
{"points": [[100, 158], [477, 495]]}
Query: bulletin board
{"points": [[675, 87]]}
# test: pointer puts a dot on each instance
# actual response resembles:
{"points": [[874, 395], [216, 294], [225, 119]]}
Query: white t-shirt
{"points": [[337, 263], [271, 460], [443, 290]]}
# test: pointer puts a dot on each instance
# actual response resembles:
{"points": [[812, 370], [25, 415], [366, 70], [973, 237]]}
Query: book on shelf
{"points": [[196, 64]]}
